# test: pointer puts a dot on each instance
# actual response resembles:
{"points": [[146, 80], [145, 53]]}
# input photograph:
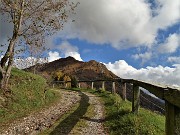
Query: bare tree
{"points": [[33, 57], [33, 21], [28, 56], [38, 57]]}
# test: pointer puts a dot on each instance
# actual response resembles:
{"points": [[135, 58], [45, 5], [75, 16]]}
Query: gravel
{"points": [[36, 122], [39, 121], [95, 123]]}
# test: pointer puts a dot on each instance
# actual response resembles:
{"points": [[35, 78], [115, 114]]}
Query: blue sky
{"points": [[124, 47], [137, 39], [106, 53], [134, 39]]}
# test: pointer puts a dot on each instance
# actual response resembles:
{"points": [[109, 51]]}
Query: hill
{"points": [[92, 70], [81, 70], [29, 92]]}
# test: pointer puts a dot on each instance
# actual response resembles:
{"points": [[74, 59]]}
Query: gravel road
{"points": [[39, 121], [95, 123]]}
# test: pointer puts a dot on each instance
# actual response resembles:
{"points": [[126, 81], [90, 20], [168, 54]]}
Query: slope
{"points": [[69, 66], [29, 92], [92, 70]]}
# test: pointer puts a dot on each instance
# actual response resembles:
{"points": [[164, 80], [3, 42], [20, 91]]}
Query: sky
{"points": [[137, 39]]}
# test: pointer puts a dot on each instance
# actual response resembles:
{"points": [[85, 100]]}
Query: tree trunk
{"points": [[9, 50], [4, 83], [9, 55], [34, 69], [6, 71]]}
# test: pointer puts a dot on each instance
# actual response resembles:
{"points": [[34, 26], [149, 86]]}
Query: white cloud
{"points": [[159, 74], [121, 23], [53, 56], [75, 55], [67, 47], [144, 56], [174, 59], [116, 22], [168, 14], [69, 50], [171, 44]]}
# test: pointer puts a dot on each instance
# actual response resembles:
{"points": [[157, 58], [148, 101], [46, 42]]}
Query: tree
{"points": [[74, 82], [58, 76], [33, 21], [37, 58], [67, 81]]}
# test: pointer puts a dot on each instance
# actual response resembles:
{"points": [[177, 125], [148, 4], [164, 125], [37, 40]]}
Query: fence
{"points": [[171, 96]]}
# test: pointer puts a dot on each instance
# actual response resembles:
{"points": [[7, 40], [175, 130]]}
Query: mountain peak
{"points": [[72, 67], [70, 58]]}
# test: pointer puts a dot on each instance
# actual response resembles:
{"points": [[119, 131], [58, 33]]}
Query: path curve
{"points": [[39, 121], [94, 123]]}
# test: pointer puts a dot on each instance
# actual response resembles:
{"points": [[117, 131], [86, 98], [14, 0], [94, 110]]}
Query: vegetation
{"points": [[74, 82], [67, 79], [119, 119], [59, 76], [29, 93], [32, 21]]}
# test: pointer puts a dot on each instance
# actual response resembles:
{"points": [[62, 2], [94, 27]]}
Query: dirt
{"points": [[39, 121]]}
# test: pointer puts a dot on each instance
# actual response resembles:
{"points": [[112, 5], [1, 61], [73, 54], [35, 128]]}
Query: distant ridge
{"points": [[81, 70]]}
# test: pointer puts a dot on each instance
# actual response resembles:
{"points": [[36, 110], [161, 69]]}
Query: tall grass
{"points": [[29, 93]]}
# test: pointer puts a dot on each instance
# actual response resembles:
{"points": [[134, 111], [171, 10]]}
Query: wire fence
{"points": [[152, 103]]}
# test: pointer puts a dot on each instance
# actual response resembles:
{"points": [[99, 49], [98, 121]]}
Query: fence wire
{"points": [[152, 103]]}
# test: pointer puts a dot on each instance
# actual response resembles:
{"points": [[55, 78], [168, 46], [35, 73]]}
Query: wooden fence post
{"points": [[172, 119], [113, 87], [124, 91], [136, 98], [103, 87], [92, 85], [79, 85], [66, 85]]}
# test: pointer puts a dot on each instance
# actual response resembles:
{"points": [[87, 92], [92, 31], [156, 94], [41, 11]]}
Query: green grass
{"points": [[29, 93], [119, 120]]}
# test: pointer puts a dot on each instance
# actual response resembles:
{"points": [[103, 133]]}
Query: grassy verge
{"points": [[29, 93], [120, 121]]}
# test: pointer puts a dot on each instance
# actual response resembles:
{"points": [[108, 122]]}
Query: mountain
{"points": [[69, 66], [92, 70]]}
